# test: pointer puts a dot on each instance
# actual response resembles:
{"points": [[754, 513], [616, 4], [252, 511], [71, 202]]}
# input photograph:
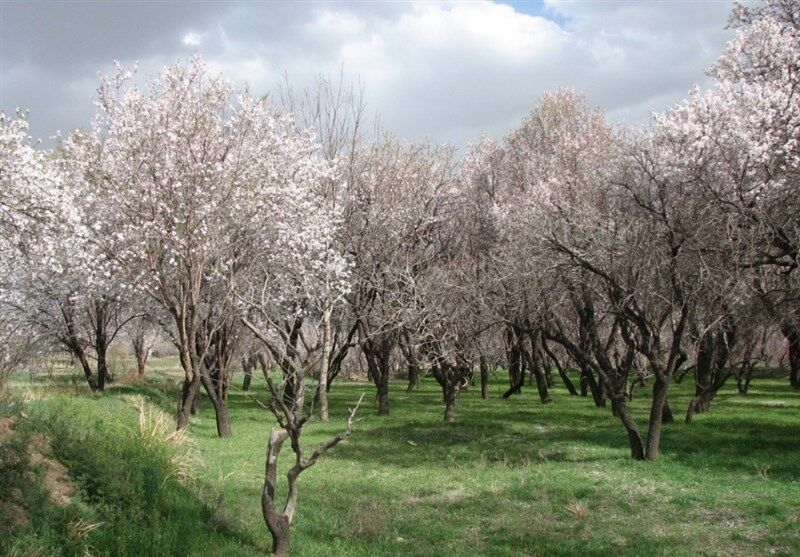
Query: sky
{"points": [[450, 72]]}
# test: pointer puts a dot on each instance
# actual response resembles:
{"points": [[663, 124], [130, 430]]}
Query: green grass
{"points": [[509, 477], [125, 497]]}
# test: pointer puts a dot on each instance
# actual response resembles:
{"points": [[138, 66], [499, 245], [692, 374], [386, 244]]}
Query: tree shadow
{"points": [[571, 429]]}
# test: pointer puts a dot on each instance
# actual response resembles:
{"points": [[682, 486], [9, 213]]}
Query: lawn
{"points": [[509, 477]]}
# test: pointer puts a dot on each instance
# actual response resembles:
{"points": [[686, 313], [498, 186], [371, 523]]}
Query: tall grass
{"points": [[133, 477]]}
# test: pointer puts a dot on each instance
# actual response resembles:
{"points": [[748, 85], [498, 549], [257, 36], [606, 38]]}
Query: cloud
{"points": [[191, 39], [448, 71]]}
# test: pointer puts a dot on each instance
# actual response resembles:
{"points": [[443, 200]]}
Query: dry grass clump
{"points": [[80, 528], [367, 520], [578, 509], [157, 429]]}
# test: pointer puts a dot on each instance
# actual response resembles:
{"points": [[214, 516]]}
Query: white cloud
{"points": [[191, 39], [450, 71]]}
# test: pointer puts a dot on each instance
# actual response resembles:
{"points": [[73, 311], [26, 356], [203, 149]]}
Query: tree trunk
{"points": [[656, 414], [383, 393], [220, 404], [139, 352], [541, 379], [712, 369], [452, 379], [516, 375], [103, 376], [484, 377], [690, 411], [194, 407], [277, 523], [450, 408], [561, 372], [247, 366], [744, 376], [188, 395], [588, 379], [78, 352], [548, 375], [634, 437], [413, 377], [322, 391], [536, 369], [71, 342], [412, 362], [513, 389], [280, 538], [378, 366], [222, 418], [793, 339], [141, 362], [101, 343], [666, 416], [221, 415]]}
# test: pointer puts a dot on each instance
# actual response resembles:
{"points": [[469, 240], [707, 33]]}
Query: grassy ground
{"points": [[510, 477]]}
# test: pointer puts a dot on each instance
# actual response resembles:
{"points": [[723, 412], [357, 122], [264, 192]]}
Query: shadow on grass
{"points": [[730, 438]]}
